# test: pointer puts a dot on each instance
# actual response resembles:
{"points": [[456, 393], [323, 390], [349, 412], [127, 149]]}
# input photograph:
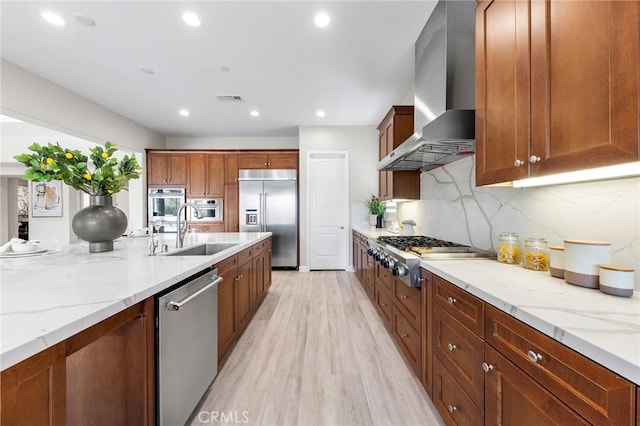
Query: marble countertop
{"points": [[603, 328], [48, 298]]}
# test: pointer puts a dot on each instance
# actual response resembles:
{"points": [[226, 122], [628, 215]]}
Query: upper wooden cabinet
{"points": [[268, 160], [394, 129], [231, 169], [206, 176], [164, 169], [557, 87]]}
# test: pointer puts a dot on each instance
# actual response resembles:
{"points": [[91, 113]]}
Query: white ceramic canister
{"points": [[616, 280], [556, 261], [582, 260]]}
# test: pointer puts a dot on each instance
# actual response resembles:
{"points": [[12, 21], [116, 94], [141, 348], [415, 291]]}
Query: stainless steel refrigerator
{"points": [[268, 203]]}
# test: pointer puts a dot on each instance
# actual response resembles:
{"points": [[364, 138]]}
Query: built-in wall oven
{"points": [[163, 204], [210, 208]]}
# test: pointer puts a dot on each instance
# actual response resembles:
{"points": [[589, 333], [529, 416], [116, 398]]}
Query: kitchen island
{"points": [[46, 299]]}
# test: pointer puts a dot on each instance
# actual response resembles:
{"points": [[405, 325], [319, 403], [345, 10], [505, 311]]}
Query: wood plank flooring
{"points": [[316, 353]]}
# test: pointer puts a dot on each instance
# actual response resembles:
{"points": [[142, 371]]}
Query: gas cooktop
{"points": [[432, 248]]}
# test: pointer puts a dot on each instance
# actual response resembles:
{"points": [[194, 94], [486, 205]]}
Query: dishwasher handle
{"points": [[176, 306]]}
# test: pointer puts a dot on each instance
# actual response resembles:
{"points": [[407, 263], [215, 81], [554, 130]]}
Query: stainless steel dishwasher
{"points": [[187, 346]]}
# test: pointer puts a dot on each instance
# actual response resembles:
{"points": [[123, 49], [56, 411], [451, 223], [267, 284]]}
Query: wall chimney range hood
{"points": [[444, 114]]}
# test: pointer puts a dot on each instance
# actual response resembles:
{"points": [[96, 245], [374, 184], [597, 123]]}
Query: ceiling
{"points": [[269, 53]]}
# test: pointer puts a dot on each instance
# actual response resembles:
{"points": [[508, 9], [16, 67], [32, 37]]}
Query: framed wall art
{"points": [[46, 199]]}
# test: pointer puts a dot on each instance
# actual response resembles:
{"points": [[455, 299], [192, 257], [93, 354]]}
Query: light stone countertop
{"points": [[603, 328], [48, 298]]}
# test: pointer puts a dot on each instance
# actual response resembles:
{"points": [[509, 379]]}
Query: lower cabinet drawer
{"points": [[461, 352], [453, 404], [386, 308], [409, 300], [514, 398], [594, 392], [408, 339]]}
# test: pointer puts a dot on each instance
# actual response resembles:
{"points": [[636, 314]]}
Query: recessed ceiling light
{"points": [[191, 19], [146, 70], [86, 20], [255, 113], [322, 19], [53, 18], [320, 113], [184, 112]]}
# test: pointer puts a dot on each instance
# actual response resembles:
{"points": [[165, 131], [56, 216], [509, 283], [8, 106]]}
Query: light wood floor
{"points": [[316, 353]]}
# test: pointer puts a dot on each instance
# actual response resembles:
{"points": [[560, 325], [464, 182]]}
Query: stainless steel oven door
{"points": [[163, 204], [211, 209]]}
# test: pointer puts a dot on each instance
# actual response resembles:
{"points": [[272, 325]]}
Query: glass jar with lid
{"points": [[509, 248], [536, 254]]}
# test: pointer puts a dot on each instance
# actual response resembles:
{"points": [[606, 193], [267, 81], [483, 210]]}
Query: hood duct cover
{"points": [[444, 115]]}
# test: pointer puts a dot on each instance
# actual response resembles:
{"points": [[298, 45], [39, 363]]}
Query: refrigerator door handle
{"points": [[264, 215], [261, 217]]}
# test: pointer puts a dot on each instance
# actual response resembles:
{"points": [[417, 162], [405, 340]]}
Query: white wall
{"points": [[188, 142], [33, 99], [56, 232], [452, 208], [362, 144]]}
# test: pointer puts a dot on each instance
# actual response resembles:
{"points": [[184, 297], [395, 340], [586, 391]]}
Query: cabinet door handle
{"points": [[451, 347], [451, 300], [534, 159], [518, 163], [487, 367], [534, 357], [452, 408]]}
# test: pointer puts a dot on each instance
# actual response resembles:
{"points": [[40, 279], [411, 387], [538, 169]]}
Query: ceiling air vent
{"points": [[229, 98]]}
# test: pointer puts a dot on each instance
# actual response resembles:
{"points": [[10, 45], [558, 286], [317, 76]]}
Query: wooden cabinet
{"points": [[231, 169], [247, 276], [427, 330], [268, 160], [206, 176], [453, 404], [407, 322], [598, 395], [204, 227], [231, 206], [511, 396], [166, 169], [557, 87], [104, 372], [385, 306], [34, 391], [464, 307], [395, 128]]}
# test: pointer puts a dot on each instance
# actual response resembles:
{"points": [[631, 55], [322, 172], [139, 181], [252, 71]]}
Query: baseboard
{"points": [[303, 268]]}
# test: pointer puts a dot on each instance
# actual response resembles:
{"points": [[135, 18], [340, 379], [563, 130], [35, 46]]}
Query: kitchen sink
{"points": [[206, 249]]}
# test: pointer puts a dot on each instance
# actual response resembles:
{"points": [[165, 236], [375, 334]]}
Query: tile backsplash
{"points": [[452, 208]]}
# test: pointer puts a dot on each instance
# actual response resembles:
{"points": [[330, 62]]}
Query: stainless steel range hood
{"points": [[444, 115]]}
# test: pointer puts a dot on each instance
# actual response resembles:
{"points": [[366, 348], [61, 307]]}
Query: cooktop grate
{"points": [[402, 242]]}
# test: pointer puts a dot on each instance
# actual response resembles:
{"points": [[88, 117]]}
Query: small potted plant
{"points": [[376, 210]]}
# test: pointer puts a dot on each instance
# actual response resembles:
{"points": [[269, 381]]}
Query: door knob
{"points": [[518, 163], [534, 159], [342, 227]]}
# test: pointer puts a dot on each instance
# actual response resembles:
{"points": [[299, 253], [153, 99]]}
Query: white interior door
{"points": [[328, 196]]}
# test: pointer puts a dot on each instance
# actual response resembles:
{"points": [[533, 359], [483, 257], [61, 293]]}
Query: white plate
{"points": [[31, 253]]}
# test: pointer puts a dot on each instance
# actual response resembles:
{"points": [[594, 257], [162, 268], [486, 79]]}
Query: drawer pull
{"points": [[404, 296], [451, 347], [534, 357], [451, 300], [403, 335], [383, 304], [487, 367], [452, 408]]}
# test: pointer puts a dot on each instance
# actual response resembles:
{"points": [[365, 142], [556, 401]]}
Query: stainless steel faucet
{"points": [[153, 244], [182, 227]]}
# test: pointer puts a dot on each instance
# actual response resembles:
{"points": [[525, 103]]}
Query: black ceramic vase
{"points": [[100, 223], [379, 221]]}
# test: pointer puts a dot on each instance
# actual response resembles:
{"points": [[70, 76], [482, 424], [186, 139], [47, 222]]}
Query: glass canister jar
{"points": [[509, 248], [536, 254]]}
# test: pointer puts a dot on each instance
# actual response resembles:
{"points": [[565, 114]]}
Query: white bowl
{"points": [[25, 247]]}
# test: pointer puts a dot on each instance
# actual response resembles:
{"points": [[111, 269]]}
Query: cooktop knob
{"points": [[399, 271], [393, 263]]}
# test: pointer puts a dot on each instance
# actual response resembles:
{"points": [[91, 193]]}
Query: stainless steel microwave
{"points": [[211, 209], [163, 204]]}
